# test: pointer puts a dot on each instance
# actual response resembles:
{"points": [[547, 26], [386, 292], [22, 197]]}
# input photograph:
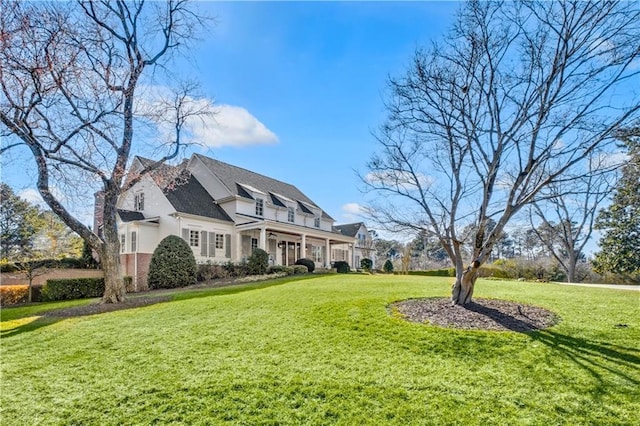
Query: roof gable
{"points": [[190, 197], [238, 180], [349, 229]]}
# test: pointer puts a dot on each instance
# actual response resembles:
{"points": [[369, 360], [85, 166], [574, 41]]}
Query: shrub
{"points": [[258, 262], [74, 288], [310, 264], [388, 266], [446, 272], [13, 294], [69, 263], [6, 266], [299, 269], [128, 284], [276, 269], [366, 264], [342, 267], [236, 270], [210, 271], [172, 264]]}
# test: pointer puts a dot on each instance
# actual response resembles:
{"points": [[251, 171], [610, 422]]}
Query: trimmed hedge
{"points": [[276, 269], [310, 264], [74, 288], [13, 294], [342, 267], [172, 264], [366, 264], [388, 266], [299, 269]]}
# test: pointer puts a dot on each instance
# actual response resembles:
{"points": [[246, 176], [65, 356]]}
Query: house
{"points": [[363, 248], [223, 212]]}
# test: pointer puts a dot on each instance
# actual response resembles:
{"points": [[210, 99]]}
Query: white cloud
{"points": [[207, 123], [231, 126], [353, 212]]}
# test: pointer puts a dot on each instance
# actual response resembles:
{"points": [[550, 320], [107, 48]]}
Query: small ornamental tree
{"points": [[310, 264], [366, 264], [258, 262], [388, 266], [172, 264]]}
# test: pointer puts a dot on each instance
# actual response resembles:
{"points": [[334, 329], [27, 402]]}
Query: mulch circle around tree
{"points": [[481, 314]]}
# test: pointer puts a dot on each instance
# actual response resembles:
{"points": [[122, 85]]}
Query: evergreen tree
{"points": [[620, 243], [19, 223]]}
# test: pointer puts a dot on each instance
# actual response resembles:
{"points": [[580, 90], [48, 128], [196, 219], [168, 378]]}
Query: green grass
{"points": [[324, 351]]}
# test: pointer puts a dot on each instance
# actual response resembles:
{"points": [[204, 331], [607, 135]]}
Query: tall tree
{"points": [[19, 223], [71, 76], [513, 100], [567, 213], [620, 244]]}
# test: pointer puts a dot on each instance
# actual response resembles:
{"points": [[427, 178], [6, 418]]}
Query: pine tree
{"points": [[620, 243]]}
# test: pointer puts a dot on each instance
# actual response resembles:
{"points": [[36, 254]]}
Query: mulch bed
{"points": [[99, 308], [481, 314]]}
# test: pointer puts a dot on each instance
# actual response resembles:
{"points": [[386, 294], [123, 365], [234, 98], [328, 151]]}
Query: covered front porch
{"points": [[285, 244]]}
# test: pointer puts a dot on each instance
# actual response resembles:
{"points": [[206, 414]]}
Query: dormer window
{"points": [[259, 207], [316, 222], [291, 214], [138, 202]]}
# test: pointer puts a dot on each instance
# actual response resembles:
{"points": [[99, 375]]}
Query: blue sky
{"points": [[314, 74], [306, 82]]}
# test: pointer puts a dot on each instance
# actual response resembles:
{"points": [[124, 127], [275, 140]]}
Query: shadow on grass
{"points": [[139, 300], [523, 323], [39, 322], [593, 356]]}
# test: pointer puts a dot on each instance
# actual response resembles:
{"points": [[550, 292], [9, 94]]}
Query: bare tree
{"points": [[71, 76], [568, 211], [512, 101]]}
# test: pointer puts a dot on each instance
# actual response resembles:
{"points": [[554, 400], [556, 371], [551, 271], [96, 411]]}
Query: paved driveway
{"points": [[613, 286]]}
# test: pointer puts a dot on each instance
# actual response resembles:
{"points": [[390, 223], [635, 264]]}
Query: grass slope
{"points": [[324, 351]]}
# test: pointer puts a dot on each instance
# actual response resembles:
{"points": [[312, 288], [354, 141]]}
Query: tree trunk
{"points": [[114, 289], [462, 290]]}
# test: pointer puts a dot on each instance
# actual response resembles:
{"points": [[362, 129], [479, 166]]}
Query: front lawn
{"points": [[324, 351]]}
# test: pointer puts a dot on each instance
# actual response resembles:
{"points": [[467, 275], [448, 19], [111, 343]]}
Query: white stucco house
{"points": [[223, 212]]}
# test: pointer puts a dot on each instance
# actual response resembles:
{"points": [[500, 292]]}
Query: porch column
{"points": [[303, 246], [263, 239], [327, 249], [238, 247]]}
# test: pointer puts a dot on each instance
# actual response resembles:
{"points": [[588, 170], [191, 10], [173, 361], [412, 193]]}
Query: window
{"points": [[316, 254], [194, 238], [219, 241], [123, 243], [254, 244], [259, 207], [134, 242], [316, 222], [291, 217], [138, 202]]}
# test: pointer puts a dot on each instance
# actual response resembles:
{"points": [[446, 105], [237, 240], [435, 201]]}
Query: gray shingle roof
{"points": [[349, 229], [190, 197], [231, 176], [130, 216]]}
